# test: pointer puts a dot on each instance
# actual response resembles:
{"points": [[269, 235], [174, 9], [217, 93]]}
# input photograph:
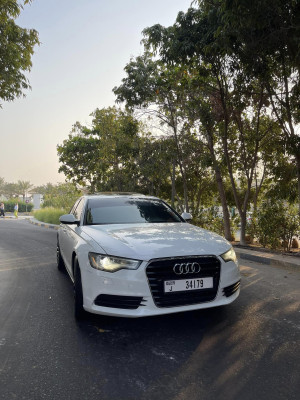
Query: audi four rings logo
{"points": [[186, 268]]}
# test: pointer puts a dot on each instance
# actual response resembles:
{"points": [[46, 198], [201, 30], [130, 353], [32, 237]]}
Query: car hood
{"points": [[148, 241]]}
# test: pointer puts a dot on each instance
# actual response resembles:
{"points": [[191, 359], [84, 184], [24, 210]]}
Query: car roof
{"points": [[119, 195]]}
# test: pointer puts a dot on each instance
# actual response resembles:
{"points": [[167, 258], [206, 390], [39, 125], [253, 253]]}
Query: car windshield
{"points": [[128, 211]]}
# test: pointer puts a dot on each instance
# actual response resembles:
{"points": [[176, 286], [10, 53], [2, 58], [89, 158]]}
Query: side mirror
{"points": [[186, 216], [69, 219]]}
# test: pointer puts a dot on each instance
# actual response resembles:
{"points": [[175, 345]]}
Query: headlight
{"points": [[229, 255], [112, 264]]}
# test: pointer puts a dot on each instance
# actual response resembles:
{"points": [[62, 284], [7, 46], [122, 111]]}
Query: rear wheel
{"points": [[78, 296], [59, 260]]}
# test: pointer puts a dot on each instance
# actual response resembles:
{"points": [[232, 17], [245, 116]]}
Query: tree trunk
{"points": [[298, 176], [180, 163], [173, 184], [243, 217], [180, 205], [185, 191], [226, 217]]}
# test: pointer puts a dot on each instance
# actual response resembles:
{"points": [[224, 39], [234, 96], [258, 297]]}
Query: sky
{"points": [[85, 45]]}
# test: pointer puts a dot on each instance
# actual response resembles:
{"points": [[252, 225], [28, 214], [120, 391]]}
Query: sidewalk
{"points": [[286, 261], [10, 215]]}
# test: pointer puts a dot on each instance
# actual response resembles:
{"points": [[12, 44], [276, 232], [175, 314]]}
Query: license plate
{"points": [[183, 285]]}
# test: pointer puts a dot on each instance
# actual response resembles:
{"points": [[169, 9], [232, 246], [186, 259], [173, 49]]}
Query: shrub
{"points": [[211, 220], [290, 227], [9, 206], [252, 227], [49, 215], [277, 223]]}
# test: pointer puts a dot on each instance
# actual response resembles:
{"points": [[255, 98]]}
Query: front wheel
{"points": [[78, 296]]}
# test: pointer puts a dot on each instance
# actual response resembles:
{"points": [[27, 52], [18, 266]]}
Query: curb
{"points": [[19, 217], [42, 224], [268, 259]]}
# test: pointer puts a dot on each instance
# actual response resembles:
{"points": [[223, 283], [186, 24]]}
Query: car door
{"points": [[69, 235]]}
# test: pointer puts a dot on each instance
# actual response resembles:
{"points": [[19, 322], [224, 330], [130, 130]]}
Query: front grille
{"points": [[125, 302], [230, 290], [159, 271]]}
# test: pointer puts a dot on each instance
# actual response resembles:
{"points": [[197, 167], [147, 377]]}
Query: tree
{"points": [[9, 190], [102, 157], [43, 189], [118, 135], [62, 195], [154, 176], [23, 187], [229, 106], [175, 46], [79, 157], [155, 88], [16, 50], [264, 36], [282, 181]]}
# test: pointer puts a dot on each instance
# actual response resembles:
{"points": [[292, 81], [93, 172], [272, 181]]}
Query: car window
{"points": [[78, 210], [128, 211]]}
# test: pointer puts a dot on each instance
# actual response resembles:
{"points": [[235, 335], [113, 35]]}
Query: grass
{"points": [[49, 215]]}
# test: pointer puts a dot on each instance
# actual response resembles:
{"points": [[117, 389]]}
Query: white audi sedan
{"points": [[131, 255]]}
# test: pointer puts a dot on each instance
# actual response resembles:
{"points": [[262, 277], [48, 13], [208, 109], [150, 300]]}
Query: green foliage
{"points": [[264, 37], [282, 184], [165, 91], [212, 220], [23, 187], [23, 206], [43, 189], [222, 84], [10, 190], [252, 227], [60, 196], [142, 82], [239, 68], [153, 166], [16, 50], [49, 215], [277, 223], [102, 157]]}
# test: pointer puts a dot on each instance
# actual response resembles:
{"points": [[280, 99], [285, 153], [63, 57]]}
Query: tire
{"points": [[59, 260], [79, 312]]}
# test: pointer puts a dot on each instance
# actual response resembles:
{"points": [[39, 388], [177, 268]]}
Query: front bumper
{"points": [[129, 293]]}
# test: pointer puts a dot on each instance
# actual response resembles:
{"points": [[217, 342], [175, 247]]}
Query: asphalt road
{"points": [[248, 350]]}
